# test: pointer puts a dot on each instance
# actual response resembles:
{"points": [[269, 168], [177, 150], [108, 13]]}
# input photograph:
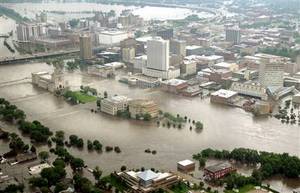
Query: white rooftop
{"points": [[144, 39], [117, 99], [193, 47], [38, 168], [113, 32], [147, 175], [224, 93], [174, 82], [186, 162], [224, 64], [115, 64]]}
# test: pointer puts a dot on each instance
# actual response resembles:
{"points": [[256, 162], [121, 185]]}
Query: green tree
{"points": [[97, 173], [77, 164], [44, 155]]}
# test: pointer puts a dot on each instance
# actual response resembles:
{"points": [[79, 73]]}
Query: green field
{"points": [[84, 98]]}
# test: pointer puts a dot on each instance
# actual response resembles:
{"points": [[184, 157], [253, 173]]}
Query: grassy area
{"points": [[115, 182], [79, 97], [244, 189], [84, 98], [180, 188]]}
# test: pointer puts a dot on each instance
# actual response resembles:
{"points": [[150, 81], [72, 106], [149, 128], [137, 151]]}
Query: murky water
{"points": [[224, 127], [6, 26], [160, 13]]}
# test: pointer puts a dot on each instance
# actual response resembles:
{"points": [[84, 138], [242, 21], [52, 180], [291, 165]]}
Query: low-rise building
{"points": [[114, 104], [34, 170], [141, 81], [48, 81], [188, 68], [252, 90], [193, 50], [191, 91], [148, 181], [171, 73], [223, 96], [186, 166], [101, 71], [140, 62], [296, 98], [174, 85], [24, 157], [218, 171], [142, 107], [233, 67]]}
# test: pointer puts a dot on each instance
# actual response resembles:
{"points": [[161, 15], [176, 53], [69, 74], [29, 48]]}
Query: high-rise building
{"points": [[233, 35], [178, 47], [128, 54], [158, 60], [166, 34], [158, 54], [85, 47], [29, 31], [271, 74]]}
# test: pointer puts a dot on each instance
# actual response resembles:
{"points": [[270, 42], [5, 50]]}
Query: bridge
{"points": [[4, 36], [17, 59], [27, 58]]}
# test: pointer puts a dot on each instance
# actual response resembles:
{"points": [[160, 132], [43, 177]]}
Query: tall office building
{"points": [[233, 35], [85, 47], [178, 47], [158, 60], [271, 74], [29, 31], [158, 54]]}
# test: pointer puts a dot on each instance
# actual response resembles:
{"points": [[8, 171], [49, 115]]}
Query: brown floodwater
{"points": [[224, 127]]}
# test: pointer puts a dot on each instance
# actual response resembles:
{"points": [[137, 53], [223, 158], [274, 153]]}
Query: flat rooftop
{"points": [[112, 32], [218, 167], [224, 93], [186, 162], [174, 82]]}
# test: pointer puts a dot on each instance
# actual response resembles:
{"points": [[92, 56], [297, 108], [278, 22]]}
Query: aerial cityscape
{"points": [[131, 96]]}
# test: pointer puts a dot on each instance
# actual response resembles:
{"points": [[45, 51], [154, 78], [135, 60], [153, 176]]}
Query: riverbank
{"points": [[11, 14]]}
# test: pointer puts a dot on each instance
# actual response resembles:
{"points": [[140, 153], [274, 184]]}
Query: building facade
{"points": [[158, 54], [148, 181], [85, 47], [233, 35], [271, 74], [141, 107], [114, 104]]}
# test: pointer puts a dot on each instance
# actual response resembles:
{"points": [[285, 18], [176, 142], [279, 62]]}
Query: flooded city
{"points": [[224, 127]]}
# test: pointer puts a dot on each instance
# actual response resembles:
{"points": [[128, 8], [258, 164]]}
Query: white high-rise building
{"points": [[158, 54], [158, 60], [271, 74]]}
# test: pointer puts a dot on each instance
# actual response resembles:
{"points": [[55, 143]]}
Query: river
{"points": [[224, 127], [159, 13]]}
